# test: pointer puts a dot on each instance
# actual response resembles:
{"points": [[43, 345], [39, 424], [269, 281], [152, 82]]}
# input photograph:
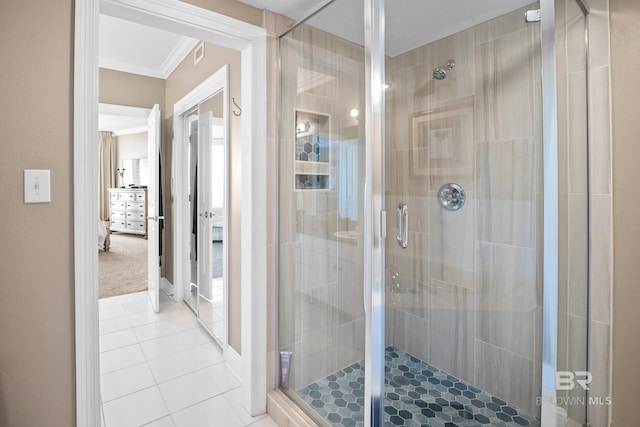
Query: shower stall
{"points": [[433, 212]]}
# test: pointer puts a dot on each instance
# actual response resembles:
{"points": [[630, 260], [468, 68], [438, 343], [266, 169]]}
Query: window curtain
{"points": [[107, 172]]}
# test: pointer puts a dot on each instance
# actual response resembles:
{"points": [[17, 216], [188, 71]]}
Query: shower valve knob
{"points": [[451, 197]]}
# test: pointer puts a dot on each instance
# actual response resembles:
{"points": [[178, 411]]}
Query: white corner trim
{"points": [[201, 24], [127, 67], [254, 229], [85, 213], [182, 49]]}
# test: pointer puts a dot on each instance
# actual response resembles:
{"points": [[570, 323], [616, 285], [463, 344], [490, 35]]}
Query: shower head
{"points": [[440, 73]]}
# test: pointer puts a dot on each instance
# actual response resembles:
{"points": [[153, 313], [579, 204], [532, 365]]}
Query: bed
{"points": [[104, 241]]}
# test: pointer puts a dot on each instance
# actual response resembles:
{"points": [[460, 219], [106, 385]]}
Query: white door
{"points": [[205, 261], [153, 219]]}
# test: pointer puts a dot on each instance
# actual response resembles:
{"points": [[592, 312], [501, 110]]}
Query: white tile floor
{"points": [[164, 370]]}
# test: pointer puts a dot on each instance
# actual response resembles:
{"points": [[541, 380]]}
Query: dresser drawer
{"points": [[113, 195], [118, 215], [136, 226], [135, 216], [127, 196], [135, 206], [118, 206], [139, 196], [118, 224]]}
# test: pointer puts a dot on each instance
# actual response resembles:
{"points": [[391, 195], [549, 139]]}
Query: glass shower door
{"points": [[412, 225], [321, 218], [463, 169]]}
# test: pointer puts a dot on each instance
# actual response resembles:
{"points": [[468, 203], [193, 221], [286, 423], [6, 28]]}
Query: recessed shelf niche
{"points": [[312, 152]]}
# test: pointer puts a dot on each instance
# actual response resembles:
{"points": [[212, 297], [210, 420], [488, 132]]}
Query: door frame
{"points": [[219, 80], [250, 40]]}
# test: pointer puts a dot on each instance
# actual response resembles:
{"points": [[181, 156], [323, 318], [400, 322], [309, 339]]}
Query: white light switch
{"points": [[37, 186]]}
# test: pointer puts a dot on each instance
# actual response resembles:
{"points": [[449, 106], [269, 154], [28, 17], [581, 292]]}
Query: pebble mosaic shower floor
{"points": [[417, 394]]}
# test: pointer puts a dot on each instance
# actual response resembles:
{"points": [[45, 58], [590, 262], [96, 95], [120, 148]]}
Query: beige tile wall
{"points": [[469, 277]]}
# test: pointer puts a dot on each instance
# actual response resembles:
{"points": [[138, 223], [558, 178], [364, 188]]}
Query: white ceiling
{"points": [[292, 8], [134, 48], [122, 120], [138, 49], [409, 23]]}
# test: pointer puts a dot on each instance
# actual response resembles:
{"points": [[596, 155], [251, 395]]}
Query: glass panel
{"points": [[463, 196], [573, 207], [321, 315]]}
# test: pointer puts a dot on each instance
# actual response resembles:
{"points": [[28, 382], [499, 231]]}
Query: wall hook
{"points": [[234, 111]]}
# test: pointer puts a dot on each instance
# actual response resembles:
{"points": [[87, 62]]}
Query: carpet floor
{"points": [[123, 270]]}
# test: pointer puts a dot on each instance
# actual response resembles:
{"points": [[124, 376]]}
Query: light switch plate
{"points": [[37, 186]]}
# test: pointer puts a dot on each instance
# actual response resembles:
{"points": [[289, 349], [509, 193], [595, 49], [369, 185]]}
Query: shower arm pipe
{"points": [[583, 6], [307, 15]]}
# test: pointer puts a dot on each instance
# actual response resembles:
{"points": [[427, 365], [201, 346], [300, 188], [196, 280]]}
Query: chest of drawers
{"points": [[128, 210]]}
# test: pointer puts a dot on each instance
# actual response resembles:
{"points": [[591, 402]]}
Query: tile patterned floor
{"points": [[417, 394], [163, 370]]}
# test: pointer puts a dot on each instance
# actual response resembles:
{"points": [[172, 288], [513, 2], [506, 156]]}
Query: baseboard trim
{"points": [[166, 286], [234, 361]]}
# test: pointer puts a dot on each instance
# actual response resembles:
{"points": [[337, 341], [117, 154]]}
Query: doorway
{"points": [[217, 29], [124, 191]]}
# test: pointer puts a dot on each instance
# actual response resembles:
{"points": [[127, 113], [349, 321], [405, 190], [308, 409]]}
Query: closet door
{"points": [[205, 261]]}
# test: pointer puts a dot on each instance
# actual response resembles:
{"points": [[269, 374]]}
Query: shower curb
{"points": [[285, 413]]}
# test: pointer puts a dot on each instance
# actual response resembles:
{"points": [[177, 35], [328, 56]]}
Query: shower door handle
{"points": [[399, 223], [402, 225]]}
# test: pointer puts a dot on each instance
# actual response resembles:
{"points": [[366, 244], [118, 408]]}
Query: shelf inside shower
{"points": [[312, 163], [416, 394]]}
